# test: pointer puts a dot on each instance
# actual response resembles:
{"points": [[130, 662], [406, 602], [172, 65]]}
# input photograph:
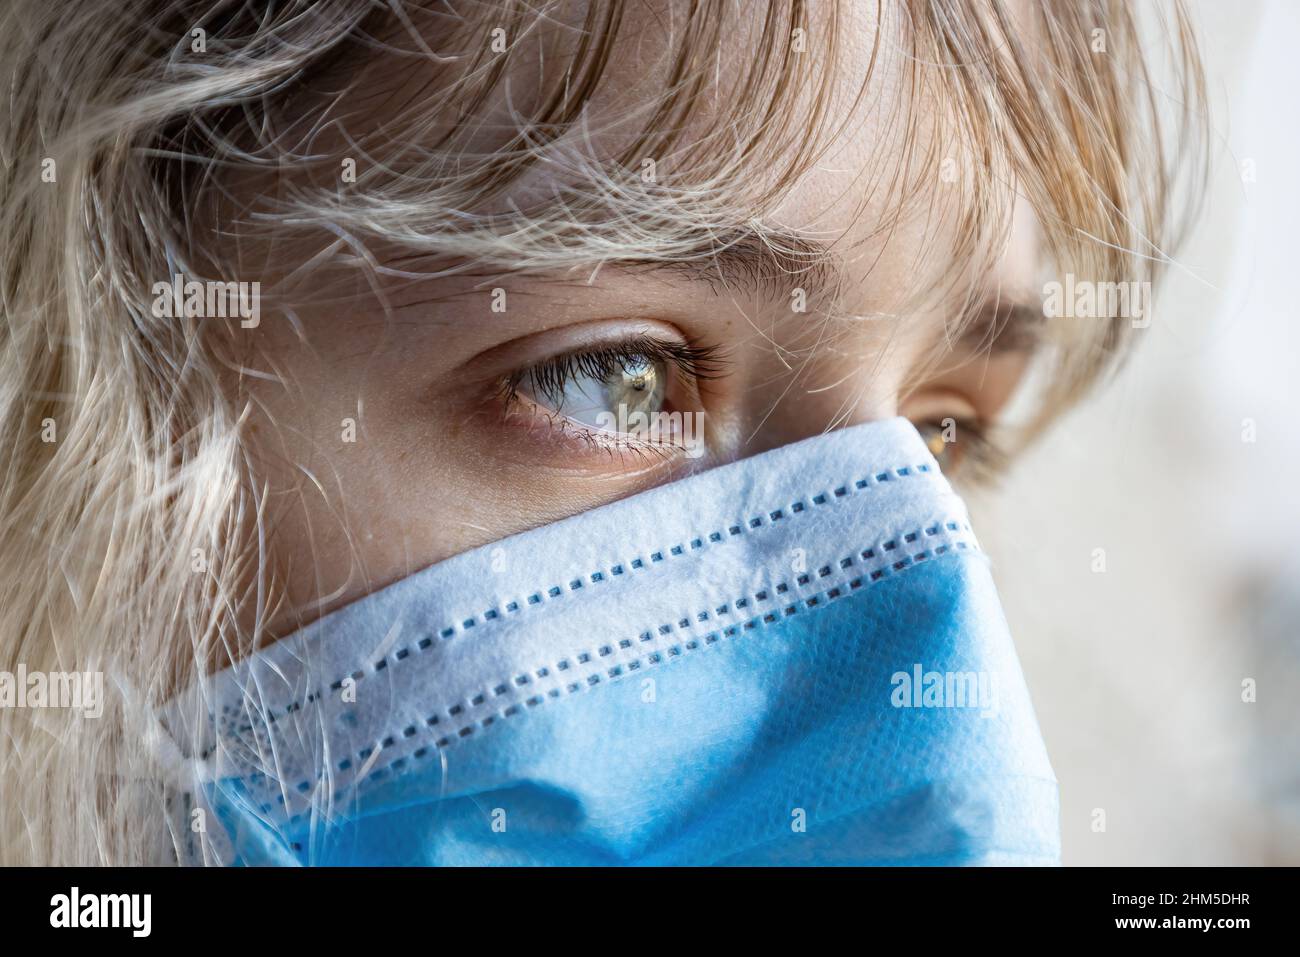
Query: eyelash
{"points": [[983, 458], [549, 377]]}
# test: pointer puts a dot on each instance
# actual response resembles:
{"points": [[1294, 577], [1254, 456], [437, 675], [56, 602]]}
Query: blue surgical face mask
{"points": [[798, 658]]}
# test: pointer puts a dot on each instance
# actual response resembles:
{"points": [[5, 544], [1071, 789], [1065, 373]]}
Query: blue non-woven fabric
{"points": [[798, 658]]}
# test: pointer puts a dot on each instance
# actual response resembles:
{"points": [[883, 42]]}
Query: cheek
{"points": [[356, 502]]}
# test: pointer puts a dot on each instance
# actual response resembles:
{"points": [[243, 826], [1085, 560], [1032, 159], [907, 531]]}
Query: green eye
{"points": [[602, 396], [641, 390]]}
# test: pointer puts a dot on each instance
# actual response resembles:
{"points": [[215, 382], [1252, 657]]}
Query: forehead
{"points": [[815, 122], [673, 133]]}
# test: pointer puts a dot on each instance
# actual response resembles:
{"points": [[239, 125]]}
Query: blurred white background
{"points": [[1137, 671]]}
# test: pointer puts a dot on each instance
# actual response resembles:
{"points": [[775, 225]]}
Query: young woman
{"points": [[301, 299]]}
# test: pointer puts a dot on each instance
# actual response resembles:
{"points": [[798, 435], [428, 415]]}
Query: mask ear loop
{"points": [[189, 788], [201, 784], [203, 795], [379, 652], [176, 781]]}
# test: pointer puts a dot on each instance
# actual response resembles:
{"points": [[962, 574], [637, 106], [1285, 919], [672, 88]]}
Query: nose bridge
{"points": [[849, 378]]}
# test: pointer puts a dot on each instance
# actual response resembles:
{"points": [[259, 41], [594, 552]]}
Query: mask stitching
{"points": [[845, 587], [617, 570]]}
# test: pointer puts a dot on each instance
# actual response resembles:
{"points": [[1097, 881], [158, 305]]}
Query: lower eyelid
{"points": [[566, 438]]}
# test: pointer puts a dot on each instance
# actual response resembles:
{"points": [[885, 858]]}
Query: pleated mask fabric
{"points": [[797, 658]]}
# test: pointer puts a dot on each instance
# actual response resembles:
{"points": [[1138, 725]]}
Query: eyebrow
{"points": [[777, 262], [1000, 326], [774, 262]]}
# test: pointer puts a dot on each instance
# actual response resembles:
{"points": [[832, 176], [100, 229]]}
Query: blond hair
{"points": [[130, 540]]}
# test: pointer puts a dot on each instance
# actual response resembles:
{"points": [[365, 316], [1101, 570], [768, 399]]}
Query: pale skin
{"points": [[386, 441]]}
